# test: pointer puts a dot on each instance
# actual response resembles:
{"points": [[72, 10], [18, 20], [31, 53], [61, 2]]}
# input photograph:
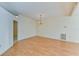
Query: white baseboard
{"points": [[59, 39], [5, 50], [41, 36], [27, 37], [1, 53]]}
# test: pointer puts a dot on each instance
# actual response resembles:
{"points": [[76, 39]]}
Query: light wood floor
{"points": [[40, 46]]}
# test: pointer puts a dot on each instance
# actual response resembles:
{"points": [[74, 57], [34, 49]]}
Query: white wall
{"points": [[6, 37], [73, 29], [54, 27], [26, 27], [76, 10]]}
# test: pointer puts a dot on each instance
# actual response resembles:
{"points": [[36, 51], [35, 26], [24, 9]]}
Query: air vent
{"points": [[63, 36]]}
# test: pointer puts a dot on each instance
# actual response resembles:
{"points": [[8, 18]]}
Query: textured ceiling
{"points": [[34, 9]]}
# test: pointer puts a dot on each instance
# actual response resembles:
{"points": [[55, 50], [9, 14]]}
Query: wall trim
{"points": [[59, 39], [6, 50]]}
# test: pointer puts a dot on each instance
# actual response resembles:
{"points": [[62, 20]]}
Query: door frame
{"points": [[15, 40]]}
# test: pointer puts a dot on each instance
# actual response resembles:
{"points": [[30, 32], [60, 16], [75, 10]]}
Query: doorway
{"points": [[15, 31]]}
